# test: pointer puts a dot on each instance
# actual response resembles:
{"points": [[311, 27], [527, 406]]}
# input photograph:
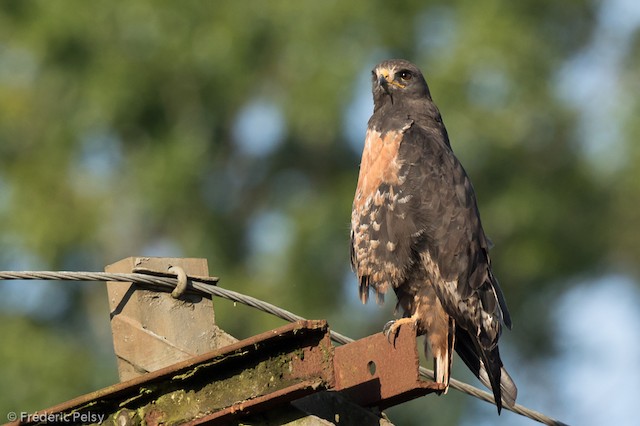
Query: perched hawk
{"points": [[415, 228]]}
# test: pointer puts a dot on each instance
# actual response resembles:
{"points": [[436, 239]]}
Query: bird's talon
{"points": [[391, 330]]}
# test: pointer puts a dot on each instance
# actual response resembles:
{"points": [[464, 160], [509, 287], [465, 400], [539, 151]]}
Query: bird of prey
{"points": [[415, 228]]}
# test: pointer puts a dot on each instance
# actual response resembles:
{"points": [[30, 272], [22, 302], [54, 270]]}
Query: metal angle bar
{"points": [[259, 373], [382, 372], [268, 369]]}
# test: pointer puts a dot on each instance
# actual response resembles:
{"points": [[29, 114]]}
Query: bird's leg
{"points": [[392, 328]]}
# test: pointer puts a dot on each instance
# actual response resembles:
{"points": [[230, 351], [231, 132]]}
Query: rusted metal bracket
{"points": [[374, 371], [262, 372]]}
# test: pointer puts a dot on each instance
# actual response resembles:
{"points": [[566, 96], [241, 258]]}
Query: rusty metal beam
{"points": [[374, 371], [270, 368], [259, 373]]}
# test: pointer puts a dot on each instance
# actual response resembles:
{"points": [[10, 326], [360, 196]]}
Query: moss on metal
{"points": [[179, 405]]}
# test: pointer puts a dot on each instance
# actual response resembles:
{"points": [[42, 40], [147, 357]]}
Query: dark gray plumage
{"points": [[415, 228]]}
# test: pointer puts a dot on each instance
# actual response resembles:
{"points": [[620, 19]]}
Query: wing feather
{"points": [[447, 215]]}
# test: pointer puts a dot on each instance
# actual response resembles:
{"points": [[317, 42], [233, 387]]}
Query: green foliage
{"points": [[42, 365], [118, 137]]}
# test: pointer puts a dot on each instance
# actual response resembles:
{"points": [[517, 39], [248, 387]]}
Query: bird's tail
{"points": [[496, 378], [487, 366]]}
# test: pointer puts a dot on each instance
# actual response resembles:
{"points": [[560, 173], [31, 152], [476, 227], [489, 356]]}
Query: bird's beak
{"points": [[383, 78], [384, 83]]}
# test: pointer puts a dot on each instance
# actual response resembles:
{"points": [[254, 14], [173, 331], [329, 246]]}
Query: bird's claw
{"points": [[391, 329]]}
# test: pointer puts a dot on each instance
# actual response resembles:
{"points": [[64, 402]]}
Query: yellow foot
{"points": [[392, 328]]}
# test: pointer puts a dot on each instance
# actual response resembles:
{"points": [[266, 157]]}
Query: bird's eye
{"points": [[405, 75]]}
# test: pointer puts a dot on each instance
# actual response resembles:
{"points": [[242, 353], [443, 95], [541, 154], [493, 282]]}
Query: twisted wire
{"points": [[214, 290]]}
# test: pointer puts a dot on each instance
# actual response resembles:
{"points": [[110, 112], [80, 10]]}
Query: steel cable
{"points": [[214, 290]]}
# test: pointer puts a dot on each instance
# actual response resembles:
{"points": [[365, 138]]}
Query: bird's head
{"points": [[397, 80]]}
